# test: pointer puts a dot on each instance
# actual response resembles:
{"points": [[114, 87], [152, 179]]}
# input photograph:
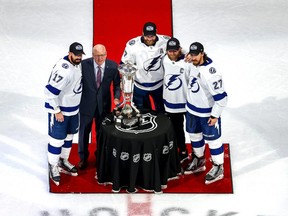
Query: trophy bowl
{"points": [[126, 115]]}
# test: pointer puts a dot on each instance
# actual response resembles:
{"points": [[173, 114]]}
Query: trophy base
{"points": [[123, 121]]}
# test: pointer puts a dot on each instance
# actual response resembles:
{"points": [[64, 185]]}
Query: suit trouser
{"points": [[85, 128]]}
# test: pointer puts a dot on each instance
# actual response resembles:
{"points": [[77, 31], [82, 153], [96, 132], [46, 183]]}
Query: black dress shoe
{"points": [[83, 164]]}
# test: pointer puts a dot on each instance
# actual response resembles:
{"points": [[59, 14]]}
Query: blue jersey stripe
{"points": [[174, 106], [149, 84], [199, 110], [53, 90], [220, 96], [64, 109]]}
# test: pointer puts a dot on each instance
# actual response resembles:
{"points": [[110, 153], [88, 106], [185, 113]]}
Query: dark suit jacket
{"points": [[92, 97]]}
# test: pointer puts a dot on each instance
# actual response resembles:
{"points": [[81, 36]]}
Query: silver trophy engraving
{"points": [[126, 114]]}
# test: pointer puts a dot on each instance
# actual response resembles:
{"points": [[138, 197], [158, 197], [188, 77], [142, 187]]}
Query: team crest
{"points": [[78, 87], [149, 124], [131, 42], [212, 70], [166, 37], [65, 65], [152, 64], [172, 82], [194, 86]]}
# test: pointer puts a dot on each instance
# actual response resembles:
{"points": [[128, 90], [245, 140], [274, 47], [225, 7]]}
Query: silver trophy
{"points": [[126, 115]]}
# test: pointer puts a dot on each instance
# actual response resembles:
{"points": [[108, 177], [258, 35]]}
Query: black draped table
{"points": [[145, 157]]}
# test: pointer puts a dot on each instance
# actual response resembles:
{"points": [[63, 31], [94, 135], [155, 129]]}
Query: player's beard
{"points": [[76, 61], [196, 62], [150, 42]]}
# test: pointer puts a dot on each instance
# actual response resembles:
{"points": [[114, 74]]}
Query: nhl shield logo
{"points": [[165, 150], [136, 158], [124, 156], [147, 157]]}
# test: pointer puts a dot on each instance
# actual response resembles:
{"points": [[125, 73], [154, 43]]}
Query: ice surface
{"points": [[248, 39]]}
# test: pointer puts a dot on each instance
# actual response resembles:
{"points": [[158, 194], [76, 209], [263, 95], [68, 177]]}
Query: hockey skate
{"points": [[197, 165], [54, 174], [215, 174], [67, 168], [183, 156]]}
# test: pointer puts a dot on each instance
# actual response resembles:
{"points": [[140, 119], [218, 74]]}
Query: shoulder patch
{"points": [[212, 70], [65, 65], [131, 42], [166, 37]]}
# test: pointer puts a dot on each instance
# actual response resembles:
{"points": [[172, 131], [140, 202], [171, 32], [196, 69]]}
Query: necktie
{"points": [[98, 81]]}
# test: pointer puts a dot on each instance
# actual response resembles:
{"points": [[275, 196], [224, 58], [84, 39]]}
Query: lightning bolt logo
{"points": [[194, 86], [78, 87], [152, 65], [173, 83]]}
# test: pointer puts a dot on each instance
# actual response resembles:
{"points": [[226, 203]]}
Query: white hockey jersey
{"points": [[206, 94], [176, 75], [149, 75], [64, 89]]}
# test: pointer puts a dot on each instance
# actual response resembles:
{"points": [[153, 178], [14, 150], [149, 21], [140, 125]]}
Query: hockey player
{"points": [[63, 93], [146, 52], [206, 99], [176, 75]]}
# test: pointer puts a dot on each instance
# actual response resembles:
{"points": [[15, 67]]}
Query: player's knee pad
{"points": [[195, 137], [69, 137]]}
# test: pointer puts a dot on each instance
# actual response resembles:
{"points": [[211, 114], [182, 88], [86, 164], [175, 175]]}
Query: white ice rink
{"points": [[248, 39]]}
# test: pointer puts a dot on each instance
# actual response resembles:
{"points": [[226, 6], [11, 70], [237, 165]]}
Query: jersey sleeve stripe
{"points": [[53, 90], [219, 97], [62, 108]]}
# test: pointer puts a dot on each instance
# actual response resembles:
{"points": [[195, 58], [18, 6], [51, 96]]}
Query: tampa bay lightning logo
{"points": [[194, 85], [152, 64], [149, 124], [212, 70], [65, 65], [173, 82], [78, 87]]}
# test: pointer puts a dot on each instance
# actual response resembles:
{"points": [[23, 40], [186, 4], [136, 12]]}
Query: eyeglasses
{"points": [[100, 56]]}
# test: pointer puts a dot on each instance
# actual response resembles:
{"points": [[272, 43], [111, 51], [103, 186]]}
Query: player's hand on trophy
{"points": [[116, 101]]}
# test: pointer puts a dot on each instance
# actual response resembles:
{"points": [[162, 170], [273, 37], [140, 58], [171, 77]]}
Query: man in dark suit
{"points": [[98, 73]]}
